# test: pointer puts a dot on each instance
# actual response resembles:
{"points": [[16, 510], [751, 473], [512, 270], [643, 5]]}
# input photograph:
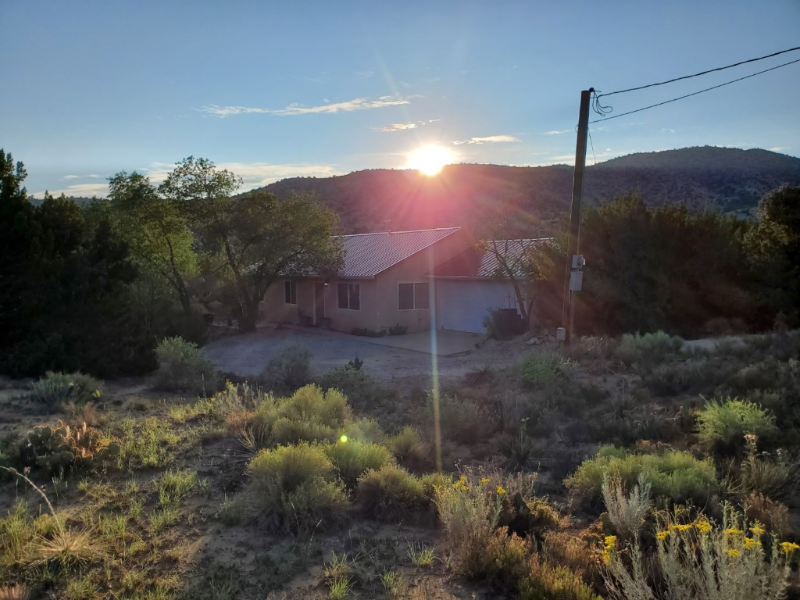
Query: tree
{"points": [[157, 232], [258, 237]]}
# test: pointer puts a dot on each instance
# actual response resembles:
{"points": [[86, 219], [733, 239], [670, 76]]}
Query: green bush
{"points": [[390, 493], [288, 371], [724, 424], [648, 349], [365, 430], [183, 367], [675, 475], [353, 458], [460, 419], [543, 368], [297, 486], [307, 415], [354, 383], [408, 448], [56, 389]]}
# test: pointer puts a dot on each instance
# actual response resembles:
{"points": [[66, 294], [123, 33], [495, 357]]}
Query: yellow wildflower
{"points": [[732, 531], [789, 547], [702, 526], [757, 530], [732, 552], [610, 541], [71, 384], [96, 393], [484, 480], [751, 543], [685, 527], [500, 490], [662, 535]]}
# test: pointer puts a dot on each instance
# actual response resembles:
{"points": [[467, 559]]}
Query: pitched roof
{"points": [[367, 254], [475, 263]]}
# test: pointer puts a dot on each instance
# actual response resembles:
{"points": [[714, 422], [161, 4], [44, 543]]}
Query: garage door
{"points": [[462, 305]]}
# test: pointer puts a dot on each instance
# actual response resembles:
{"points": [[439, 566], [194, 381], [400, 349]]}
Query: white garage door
{"points": [[462, 305]]}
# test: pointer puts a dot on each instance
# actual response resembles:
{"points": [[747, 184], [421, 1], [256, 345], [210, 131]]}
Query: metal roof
{"points": [[475, 263], [368, 254]]}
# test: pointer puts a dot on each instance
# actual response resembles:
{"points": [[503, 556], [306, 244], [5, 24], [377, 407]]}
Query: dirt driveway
{"points": [[247, 354]]}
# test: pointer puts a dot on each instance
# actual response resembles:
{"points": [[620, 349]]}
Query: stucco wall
{"points": [[412, 270], [346, 320], [275, 310]]}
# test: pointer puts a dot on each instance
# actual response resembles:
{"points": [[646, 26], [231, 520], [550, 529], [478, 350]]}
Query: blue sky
{"points": [[277, 89]]}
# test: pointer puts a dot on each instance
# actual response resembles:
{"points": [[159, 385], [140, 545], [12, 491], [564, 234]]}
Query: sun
{"points": [[429, 160]]}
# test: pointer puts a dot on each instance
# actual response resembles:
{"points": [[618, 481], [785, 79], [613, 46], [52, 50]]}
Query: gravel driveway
{"points": [[247, 355]]}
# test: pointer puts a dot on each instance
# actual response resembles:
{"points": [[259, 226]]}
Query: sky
{"points": [[282, 89]]}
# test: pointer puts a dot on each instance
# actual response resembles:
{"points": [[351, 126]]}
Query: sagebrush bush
{"points": [[626, 511], [647, 349], [287, 371], [183, 367], [725, 423], [297, 486], [390, 493], [365, 430], [702, 560], [675, 475], [408, 448], [54, 390], [360, 389], [353, 458]]}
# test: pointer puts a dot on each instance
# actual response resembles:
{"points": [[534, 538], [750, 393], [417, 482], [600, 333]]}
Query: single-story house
{"points": [[417, 279]]}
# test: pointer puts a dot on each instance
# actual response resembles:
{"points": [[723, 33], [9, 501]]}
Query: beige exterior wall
{"points": [[379, 296]]}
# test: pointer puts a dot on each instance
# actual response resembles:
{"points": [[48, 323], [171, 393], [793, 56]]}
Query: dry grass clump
{"points": [[390, 493], [15, 592]]}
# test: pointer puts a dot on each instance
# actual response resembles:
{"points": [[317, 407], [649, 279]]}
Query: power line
{"points": [[630, 112], [743, 62]]}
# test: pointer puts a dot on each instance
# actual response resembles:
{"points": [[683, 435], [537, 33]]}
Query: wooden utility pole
{"points": [[568, 314]]}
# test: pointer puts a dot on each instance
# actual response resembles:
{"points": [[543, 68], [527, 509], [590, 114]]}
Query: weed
{"points": [[420, 555], [183, 367], [159, 520], [648, 349], [338, 589], [543, 368], [394, 584], [173, 486], [149, 444], [544, 580], [338, 568]]}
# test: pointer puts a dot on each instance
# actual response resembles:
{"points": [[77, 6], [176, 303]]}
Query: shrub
{"points": [[773, 515], [701, 560], [63, 448], [776, 477], [288, 371], [408, 448], [543, 368], [353, 458], [54, 390], [365, 430], [647, 349], [398, 329], [544, 581], [626, 511], [460, 419], [354, 383], [390, 493], [675, 475], [296, 485], [183, 367], [724, 424]]}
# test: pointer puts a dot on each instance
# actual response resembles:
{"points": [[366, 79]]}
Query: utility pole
{"points": [[574, 266]]}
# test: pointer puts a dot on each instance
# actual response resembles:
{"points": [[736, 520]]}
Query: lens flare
{"points": [[429, 160]]}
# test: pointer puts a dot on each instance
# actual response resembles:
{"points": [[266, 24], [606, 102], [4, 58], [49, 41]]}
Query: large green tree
{"points": [[258, 237], [156, 231]]}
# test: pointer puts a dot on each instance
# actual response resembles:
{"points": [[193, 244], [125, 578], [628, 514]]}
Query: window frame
{"points": [[414, 285], [290, 292], [349, 285]]}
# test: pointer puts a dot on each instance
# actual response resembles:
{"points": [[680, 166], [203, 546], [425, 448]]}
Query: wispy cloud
{"points": [[556, 132], [296, 109], [489, 139], [779, 148], [79, 190], [403, 126], [92, 176]]}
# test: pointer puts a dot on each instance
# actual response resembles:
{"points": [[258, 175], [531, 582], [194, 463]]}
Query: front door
{"points": [[319, 302]]}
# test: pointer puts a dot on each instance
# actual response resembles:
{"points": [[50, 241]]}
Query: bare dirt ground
{"points": [[247, 355]]}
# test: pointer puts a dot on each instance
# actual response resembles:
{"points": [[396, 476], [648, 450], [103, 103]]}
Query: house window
{"points": [[411, 296], [290, 292], [350, 296]]}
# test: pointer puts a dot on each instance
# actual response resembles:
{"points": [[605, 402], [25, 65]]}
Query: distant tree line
{"points": [[95, 287], [684, 272]]}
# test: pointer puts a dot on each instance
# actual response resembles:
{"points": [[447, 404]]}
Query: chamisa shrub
{"points": [[54, 390], [297, 486], [543, 368], [288, 370], [183, 367], [675, 475], [700, 559], [724, 424], [390, 493], [353, 458]]}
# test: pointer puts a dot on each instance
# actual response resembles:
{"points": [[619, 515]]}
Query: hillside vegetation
{"points": [[727, 179]]}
